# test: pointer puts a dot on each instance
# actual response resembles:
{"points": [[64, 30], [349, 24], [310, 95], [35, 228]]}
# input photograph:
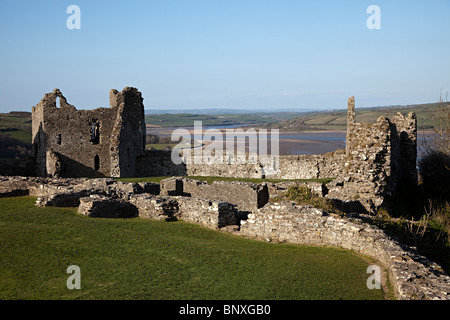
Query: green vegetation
{"points": [[16, 125], [143, 259], [304, 196], [15, 134], [160, 146], [337, 120], [419, 222]]}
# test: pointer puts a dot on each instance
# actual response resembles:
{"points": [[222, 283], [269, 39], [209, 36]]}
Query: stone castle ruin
{"points": [[88, 143], [110, 142], [71, 145]]}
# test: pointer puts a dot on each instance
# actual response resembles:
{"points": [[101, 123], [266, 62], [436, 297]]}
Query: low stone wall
{"points": [[14, 186], [156, 207], [247, 196], [212, 214], [412, 275], [68, 192], [284, 167], [97, 206]]}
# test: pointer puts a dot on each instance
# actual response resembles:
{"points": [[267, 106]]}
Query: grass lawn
{"points": [[143, 259]]}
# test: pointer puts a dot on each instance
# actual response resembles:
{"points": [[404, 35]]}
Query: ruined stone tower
{"points": [[350, 122], [379, 158], [88, 143]]}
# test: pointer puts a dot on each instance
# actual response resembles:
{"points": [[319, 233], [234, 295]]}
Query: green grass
{"points": [[159, 146], [143, 259], [21, 135], [17, 125]]}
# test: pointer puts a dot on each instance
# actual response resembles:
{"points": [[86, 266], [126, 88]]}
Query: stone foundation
{"points": [[97, 206], [246, 196]]}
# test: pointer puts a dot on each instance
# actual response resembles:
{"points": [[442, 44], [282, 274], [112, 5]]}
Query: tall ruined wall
{"points": [[380, 157], [405, 148], [366, 171], [128, 136], [90, 143]]}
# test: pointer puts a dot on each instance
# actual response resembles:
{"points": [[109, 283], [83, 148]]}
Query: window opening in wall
{"points": [[95, 133], [97, 162], [59, 139], [58, 102]]}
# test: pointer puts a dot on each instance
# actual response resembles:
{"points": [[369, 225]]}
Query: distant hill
{"points": [[337, 119], [215, 111]]}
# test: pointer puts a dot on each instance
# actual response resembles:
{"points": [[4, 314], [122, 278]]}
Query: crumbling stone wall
{"points": [[413, 276], [378, 158], [97, 206], [158, 163], [88, 143], [209, 213], [246, 196], [285, 167]]}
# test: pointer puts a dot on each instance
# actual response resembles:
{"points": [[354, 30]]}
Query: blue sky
{"points": [[242, 54]]}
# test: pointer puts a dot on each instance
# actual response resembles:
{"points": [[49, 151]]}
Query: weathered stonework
{"points": [[88, 143], [246, 196], [209, 213], [377, 159], [97, 206], [412, 275], [110, 142]]}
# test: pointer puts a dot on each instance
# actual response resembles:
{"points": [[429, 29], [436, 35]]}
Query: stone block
{"points": [[103, 207]]}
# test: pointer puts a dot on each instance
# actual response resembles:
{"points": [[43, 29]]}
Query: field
{"points": [[337, 120], [15, 134], [17, 125], [143, 259], [183, 120]]}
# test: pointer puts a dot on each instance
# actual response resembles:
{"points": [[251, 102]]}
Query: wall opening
{"points": [[59, 139], [95, 133], [97, 162]]}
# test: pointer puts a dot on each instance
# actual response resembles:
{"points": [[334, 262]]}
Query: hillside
{"points": [[15, 134], [336, 120]]}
